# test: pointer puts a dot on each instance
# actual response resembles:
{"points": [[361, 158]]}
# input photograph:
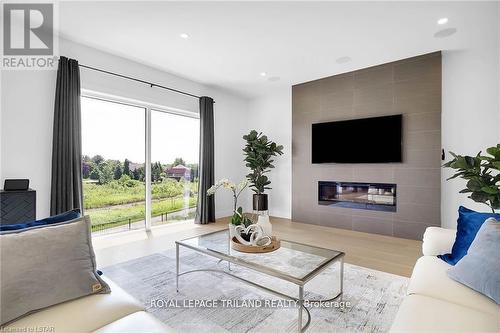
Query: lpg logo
{"points": [[28, 29]]}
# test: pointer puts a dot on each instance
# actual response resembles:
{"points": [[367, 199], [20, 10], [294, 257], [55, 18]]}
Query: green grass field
{"points": [[136, 212], [118, 202], [119, 193]]}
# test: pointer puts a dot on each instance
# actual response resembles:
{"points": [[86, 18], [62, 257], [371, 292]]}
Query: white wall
{"points": [[470, 111], [471, 104], [231, 123], [272, 115], [26, 130], [27, 101]]}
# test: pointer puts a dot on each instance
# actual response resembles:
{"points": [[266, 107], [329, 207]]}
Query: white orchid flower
{"points": [[235, 188]]}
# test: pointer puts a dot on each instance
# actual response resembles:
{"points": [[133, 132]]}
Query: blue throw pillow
{"points": [[469, 223], [479, 268], [63, 217]]}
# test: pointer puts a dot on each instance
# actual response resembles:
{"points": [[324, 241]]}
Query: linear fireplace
{"points": [[371, 196]]}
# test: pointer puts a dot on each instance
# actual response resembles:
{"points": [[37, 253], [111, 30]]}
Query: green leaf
{"points": [[471, 161], [490, 189], [448, 164], [459, 174], [474, 185], [479, 197], [459, 163], [494, 151]]}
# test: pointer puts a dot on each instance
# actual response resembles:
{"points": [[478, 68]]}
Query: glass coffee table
{"points": [[293, 262]]}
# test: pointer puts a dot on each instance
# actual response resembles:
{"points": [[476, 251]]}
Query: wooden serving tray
{"points": [[236, 245]]}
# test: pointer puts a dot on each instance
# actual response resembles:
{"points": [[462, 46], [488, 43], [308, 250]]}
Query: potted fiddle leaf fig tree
{"points": [[482, 173], [259, 152]]}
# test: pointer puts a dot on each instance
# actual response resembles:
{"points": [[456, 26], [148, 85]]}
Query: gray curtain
{"points": [[205, 208], [66, 186]]}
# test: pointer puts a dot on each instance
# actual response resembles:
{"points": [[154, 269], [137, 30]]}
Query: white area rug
{"points": [[374, 296]]}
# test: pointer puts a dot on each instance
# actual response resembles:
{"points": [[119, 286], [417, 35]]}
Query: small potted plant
{"points": [[259, 152], [238, 217], [482, 175]]}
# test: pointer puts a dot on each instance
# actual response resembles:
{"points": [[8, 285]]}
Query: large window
{"points": [[140, 164]]}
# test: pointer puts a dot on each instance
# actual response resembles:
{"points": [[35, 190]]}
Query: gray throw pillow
{"points": [[45, 266], [479, 268]]}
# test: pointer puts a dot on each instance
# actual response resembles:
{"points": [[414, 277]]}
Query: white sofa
{"points": [[436, 303], [103, 313]]}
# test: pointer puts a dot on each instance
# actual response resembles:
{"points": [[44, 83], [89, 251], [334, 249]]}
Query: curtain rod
{"points": [[139, 80]]}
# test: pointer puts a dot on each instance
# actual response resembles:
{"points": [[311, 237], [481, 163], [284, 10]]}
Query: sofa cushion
{"points": [[85, 314], [437, 241], [480, 268], [46, 266], [429, 278], [136, 322], [63, 217], [426, 314], [468, 224]]}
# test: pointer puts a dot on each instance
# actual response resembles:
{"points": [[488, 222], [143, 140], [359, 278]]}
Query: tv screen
{"points": [[368, 140]]}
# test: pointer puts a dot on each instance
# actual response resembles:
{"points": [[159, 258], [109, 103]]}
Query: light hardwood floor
{"points": [[383, 253]]}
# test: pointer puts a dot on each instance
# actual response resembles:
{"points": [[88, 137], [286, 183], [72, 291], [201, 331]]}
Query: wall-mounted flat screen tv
{"points": [[367, 140]]}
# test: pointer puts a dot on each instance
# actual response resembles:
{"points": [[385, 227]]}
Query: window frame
{"points": [[148, 107]]}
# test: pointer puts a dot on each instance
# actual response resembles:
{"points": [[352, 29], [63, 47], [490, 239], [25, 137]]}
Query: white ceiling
{"points": [[231, 43]]}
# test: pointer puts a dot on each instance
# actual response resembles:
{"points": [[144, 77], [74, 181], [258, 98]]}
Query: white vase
{"points": [[265, 224]]}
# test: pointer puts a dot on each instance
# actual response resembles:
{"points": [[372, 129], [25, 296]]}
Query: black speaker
{"points": [[16, 184]]}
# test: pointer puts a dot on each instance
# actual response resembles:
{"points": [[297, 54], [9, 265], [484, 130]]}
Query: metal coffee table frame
{"points": [[268, 271]]}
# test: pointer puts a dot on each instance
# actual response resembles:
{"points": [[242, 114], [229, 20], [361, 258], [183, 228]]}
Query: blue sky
{"points": [[117, 131]]}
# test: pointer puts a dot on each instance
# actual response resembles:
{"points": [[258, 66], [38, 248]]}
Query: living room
{"points": [[250, 166]]}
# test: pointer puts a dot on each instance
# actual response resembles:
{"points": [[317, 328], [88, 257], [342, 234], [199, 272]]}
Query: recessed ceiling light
{"points": [[184, 35], [343, 60], [263, 74], [443, 20]]}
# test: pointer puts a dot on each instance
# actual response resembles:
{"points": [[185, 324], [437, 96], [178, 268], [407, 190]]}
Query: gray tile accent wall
{"points": [[411, 87]]}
